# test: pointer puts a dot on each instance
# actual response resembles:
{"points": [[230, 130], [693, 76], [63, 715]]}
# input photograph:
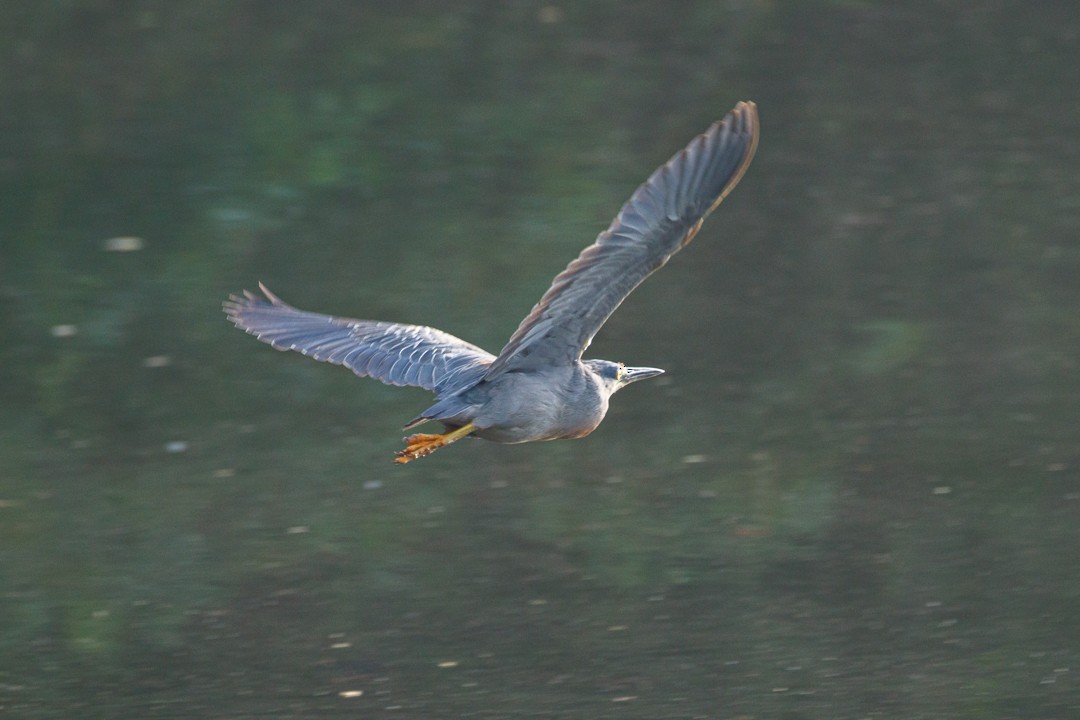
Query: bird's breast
{"points": [[530, 407]]}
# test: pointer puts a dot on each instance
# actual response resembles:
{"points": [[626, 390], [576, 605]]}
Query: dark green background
{"points": [[855, 494]]}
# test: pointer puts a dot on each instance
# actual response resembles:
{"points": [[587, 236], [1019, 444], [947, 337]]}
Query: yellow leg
{"points": [[421, 444]]}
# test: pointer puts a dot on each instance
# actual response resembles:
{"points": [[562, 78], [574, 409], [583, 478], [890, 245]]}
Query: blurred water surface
{"points": [[855, 493]]}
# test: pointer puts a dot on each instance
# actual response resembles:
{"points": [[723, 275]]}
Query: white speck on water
{"points": [[124, 243], [64, 331], [176, 446]]}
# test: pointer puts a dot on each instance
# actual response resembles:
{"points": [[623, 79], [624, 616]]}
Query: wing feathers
{"points": [[394, 353], [661, 217]]}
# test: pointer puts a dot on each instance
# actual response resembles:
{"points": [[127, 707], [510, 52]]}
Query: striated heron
{"points": [[537, 387]]}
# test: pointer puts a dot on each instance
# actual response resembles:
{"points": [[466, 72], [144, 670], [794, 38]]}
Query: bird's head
{"points": [[612, 375]]}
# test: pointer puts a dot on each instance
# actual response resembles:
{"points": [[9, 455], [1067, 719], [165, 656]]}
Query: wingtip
{"points": [[269, 295], [236, 303], [748, 109], [743, 119], [249, 296]]}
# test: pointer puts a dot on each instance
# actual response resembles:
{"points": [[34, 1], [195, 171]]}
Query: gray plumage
{"points": [[394, 353], [538, 387]]}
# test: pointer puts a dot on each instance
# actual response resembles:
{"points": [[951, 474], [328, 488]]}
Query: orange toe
{"points": [[420, 438], [421, 444], [417, 446]]}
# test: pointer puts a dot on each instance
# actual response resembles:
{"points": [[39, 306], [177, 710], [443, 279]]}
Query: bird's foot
{"points": [[421, 444], [417, 446]]}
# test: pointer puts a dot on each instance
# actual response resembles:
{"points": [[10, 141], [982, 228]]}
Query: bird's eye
{"points": [[620, 372]]}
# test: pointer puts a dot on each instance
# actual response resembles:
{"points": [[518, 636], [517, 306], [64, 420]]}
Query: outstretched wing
{"points": [[393, 353], [660, 218]]}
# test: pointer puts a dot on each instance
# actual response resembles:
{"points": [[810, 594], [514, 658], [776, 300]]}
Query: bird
{"points": [[538, 387]]}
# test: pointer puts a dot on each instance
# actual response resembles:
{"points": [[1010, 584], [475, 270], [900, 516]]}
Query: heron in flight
{"points": [[538, 387]]}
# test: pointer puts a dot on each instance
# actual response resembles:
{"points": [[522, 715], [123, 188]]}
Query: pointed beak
{"points": [[633, 374]]}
